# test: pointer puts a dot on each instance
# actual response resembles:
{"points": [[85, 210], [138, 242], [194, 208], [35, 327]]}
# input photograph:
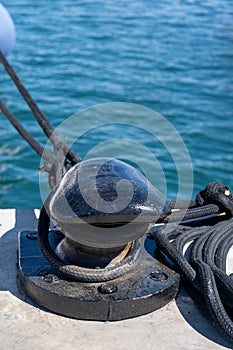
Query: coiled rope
{"points": [[204, 269]]}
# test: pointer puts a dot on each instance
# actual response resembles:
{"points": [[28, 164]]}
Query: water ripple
{"points": [[173, 56]]}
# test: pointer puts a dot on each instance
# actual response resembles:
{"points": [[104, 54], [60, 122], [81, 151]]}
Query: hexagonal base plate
{"points": [[147, 287]]}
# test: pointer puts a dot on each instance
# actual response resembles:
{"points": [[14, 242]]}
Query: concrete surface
{"points": [[179, 325]]}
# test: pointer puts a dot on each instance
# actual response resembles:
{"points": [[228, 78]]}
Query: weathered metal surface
{"points": [[147, 287]]}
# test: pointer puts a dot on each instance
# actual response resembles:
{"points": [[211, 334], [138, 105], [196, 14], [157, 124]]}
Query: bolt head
{"points": [[158, 276], [107, 288]]}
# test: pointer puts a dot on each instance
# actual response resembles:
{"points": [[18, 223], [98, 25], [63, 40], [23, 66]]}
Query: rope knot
{"points": [[219, 194]]}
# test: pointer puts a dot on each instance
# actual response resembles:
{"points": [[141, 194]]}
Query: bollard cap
{"points": [[104, 202]]}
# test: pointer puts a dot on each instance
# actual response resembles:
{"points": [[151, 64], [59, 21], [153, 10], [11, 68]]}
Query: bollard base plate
{"points": [[148, 286]]}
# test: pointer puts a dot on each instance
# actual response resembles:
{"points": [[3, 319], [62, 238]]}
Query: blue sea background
{"points": [[175, 57]]}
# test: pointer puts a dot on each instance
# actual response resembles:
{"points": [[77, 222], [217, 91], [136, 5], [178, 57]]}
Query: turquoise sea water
{"points": [[175, 57]]}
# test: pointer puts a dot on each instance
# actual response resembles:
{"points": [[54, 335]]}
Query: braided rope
{"points": [[205, 267]]}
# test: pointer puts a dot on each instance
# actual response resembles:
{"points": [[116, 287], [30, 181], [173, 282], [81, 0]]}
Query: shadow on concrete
{"points": [[194, 314]]}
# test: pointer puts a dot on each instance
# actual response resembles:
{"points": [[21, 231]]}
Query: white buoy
{"points": [[7, 31]]}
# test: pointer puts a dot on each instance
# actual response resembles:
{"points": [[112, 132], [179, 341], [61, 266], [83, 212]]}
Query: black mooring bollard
{"points": [[99, 265]]}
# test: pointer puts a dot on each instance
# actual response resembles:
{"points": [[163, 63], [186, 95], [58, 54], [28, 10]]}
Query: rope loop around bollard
{"points": [[77, 273]]}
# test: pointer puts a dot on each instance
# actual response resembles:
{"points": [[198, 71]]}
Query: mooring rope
{"points": [[204, 269]]}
